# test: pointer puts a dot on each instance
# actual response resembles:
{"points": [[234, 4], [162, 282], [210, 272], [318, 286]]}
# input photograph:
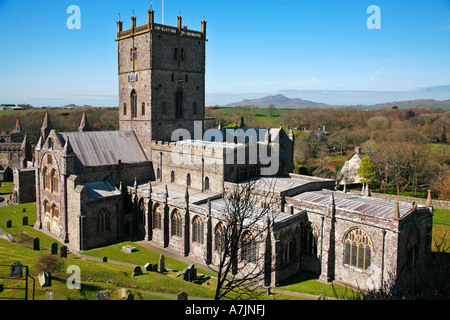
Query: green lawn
{"points": [[6, 188], [441, 217], [141, 257]]}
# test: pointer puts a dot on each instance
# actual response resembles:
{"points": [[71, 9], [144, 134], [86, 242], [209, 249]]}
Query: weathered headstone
{"points": [[186, 273], [54, 248], [182, 296], [63, 252], [105, 259], [162, 266], [16, 269], [49, 295], [137, 271], [148, 267], [36, 245], [123, 293], [25, 221], [103, 295], [155, 267], [130, 296], [9, 224], [24, 209], [193, 272], [44, 279], [129, 249]]}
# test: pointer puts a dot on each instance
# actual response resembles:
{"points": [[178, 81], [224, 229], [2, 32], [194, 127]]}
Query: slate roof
{"points": [[101, 189], [97, 148], [369, 206], [220, 205]]}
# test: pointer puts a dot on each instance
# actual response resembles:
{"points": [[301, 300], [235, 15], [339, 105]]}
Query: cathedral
{"points": [[163, 177]]}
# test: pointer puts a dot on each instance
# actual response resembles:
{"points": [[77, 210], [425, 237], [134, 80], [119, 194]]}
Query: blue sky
{"points": [[319, 50]]}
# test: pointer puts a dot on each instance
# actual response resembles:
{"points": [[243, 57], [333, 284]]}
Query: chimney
{"points": [[358, 150]]}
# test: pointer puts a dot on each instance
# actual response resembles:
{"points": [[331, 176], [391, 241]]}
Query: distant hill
{"points": [[414, 103], [279, 100]]}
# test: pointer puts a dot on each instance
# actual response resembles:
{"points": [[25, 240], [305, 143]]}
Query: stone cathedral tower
{"points": [[161, 79]]}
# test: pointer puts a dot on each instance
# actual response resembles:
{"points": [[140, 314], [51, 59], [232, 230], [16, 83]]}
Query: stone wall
{"points": [[438, 204]]}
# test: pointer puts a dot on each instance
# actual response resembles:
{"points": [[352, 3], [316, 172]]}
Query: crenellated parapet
{"points": [[151, 26]]}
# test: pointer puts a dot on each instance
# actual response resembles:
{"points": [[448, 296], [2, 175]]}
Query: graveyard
{"points": [[120, 271]]}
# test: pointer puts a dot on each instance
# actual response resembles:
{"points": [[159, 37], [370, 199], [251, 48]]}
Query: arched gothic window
{"points": [[54, 181], [219, 237], [288, 249], [157, 217], [198, 232], [358, 248], [248, 248], [141, 211], [45, 178], [309, 239], [103, 220], [55, 211], [172, 176], [206, 183], [133, 103], [188, 180], [176, 223], [179, 103], [47, 208]]}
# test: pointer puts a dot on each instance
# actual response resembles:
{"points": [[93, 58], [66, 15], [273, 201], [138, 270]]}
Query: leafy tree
{"points": [[367, 170]]}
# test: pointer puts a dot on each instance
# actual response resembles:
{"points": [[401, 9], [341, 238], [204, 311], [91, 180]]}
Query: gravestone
{"points": [[9, 224], [63, 252], [130, 296], [148, 267], [193, 271], [49, 295], [16, 269], [24, 209], [36, 245], [137, 271], [105, 259], [155, 267], [25, 221], [123, 293], [44, 279], [103, 295], [54, 248], [182, 296], [129, 249], [162, 262], [186, 274]]}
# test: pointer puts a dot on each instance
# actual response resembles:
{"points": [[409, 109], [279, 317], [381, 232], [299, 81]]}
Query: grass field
{"points": [[6, 188]]}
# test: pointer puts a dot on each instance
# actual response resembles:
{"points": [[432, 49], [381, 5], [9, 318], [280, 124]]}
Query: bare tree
{"points": [[244, 227]]}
